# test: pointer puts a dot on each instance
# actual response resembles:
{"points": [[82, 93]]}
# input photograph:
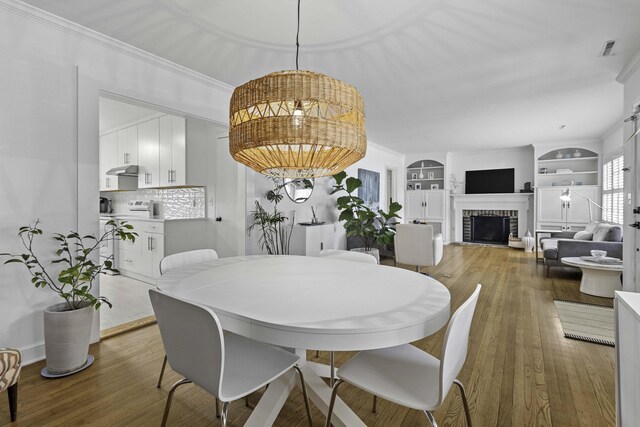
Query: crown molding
{"points": [[74, 29], [386, 149], [629, 69]]}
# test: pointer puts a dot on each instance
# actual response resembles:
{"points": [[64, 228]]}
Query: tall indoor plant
{"points": [[67, 325], [375, 228], [274, 227]]}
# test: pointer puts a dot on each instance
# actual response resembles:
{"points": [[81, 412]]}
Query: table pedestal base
{"points": [[274, 398], [600, 283]]}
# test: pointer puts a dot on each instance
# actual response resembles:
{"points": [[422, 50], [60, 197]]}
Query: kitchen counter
{"points": [[141, 218]]}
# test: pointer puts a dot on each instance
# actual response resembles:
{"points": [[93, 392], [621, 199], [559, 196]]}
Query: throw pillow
{"points": [[591, 228], [602, 233], [583, 235]]}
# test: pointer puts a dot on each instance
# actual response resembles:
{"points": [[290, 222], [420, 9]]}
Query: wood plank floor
{"points": [[520, 370]]}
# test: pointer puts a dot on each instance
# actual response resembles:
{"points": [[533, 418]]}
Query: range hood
{"points": [[131, 170]]}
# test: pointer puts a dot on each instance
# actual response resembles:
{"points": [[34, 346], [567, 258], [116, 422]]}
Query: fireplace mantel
{"points": [[502, 201]]}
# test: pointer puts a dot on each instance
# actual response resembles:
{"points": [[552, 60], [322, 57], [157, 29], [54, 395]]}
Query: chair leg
{"points": [[246, 401], [225, 413], [375, 403], [332, 367], [431, 418], [164, 365], [217, 408], [13, 401], [304, 394], [464, 402], [334, 394], [167, 406], [547, 270], [317, 353]]}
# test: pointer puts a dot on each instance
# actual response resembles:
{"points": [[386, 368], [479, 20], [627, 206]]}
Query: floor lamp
{"points": [[566, 197]]}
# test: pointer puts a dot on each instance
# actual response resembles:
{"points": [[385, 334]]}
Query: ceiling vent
{"points": [[608, 47]]}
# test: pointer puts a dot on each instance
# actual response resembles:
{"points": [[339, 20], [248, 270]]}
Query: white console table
{"points": [[627, 307]]}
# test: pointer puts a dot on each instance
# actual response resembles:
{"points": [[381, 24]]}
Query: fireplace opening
{"points": [[489, 229]]}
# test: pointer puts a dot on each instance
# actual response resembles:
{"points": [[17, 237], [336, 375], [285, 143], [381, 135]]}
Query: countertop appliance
{"points": [[105, 205], [153, 208]]}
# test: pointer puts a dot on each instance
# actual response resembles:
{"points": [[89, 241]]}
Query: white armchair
{"points": [[416, 244]]}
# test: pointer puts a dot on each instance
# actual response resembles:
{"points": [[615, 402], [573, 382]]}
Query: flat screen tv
{"points": [[489, 181]]}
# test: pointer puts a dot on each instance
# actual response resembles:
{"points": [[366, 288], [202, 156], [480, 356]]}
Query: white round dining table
{"points": [[313, 303]]}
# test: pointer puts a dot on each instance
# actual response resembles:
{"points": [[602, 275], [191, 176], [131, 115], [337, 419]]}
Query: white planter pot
{"points": [[374, 251], [66, 337]]}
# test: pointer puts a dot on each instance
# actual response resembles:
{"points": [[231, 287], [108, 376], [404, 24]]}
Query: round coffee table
{"points": [[600, 280]]}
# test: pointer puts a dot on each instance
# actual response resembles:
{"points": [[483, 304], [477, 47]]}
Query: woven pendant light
{"points": [[297, 124]]}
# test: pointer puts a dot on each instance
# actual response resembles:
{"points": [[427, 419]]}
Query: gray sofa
{"points": [[603, 236]]}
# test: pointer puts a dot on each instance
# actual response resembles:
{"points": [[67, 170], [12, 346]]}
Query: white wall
{"points": [[612, 142], [51, 75], [519, 158], [377, 159], [632, 180]]}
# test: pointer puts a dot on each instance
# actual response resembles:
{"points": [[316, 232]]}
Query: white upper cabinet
{"points": [[128, 146], [149, 154], [108, 152], [172, 152]]}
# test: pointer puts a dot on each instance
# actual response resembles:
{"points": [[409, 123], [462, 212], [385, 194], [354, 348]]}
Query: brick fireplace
{"points": [[489, 226], [514, 207]]}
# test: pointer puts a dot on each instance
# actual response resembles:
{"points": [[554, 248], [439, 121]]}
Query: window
{"points": [[613, 191]]}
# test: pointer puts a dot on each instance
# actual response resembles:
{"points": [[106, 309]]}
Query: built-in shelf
{"points": [[572, 159], [426, 167], [584, 168], [568, 174], [432, 171]]}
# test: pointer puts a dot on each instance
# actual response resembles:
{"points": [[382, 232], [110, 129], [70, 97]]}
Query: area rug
{"points": [[586, 322]]}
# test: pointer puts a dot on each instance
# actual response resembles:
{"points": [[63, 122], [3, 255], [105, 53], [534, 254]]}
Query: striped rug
{"points": [[586, 322]]}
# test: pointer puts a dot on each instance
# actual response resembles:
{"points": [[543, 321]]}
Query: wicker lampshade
{"points": [[297, 124]]}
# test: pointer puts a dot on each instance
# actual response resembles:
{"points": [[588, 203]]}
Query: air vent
{"points": [[608, 47]]}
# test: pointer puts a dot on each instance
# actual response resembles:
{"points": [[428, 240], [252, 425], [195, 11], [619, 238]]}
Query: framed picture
{"points": [[414, 176], [370, 189], [435, 187], [409, 187], [431, 175], [417, 186]]}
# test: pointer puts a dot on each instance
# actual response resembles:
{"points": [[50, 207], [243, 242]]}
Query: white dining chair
{"points": [[185, 258], [417, 244], [409, 376], [348, 255], [179, 260], [228, 366]]}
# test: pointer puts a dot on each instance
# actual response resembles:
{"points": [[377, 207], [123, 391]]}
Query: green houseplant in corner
{"points": [[67, 325], [375, 228]]}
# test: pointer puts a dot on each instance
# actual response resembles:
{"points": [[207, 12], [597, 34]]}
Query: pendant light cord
{"points": [[297, 37]]}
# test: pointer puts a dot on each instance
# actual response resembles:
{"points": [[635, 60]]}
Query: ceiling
{"points": [[436, 75], [117, 113]]}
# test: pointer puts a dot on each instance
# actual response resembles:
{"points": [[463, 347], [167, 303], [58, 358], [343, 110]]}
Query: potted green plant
{"points": [[375, 228], [67, 325]]}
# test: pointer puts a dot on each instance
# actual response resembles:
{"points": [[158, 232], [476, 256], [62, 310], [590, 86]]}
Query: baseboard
{"points": [[32, 354]]}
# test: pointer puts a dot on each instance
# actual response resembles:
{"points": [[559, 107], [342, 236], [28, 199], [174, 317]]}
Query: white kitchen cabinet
{"points": [[108, 152], [172, 147], [311, 239], [128, 146], [627, 339], [556, 214], [162, 152], [108, 159], [149, 154], [156, 239]]}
